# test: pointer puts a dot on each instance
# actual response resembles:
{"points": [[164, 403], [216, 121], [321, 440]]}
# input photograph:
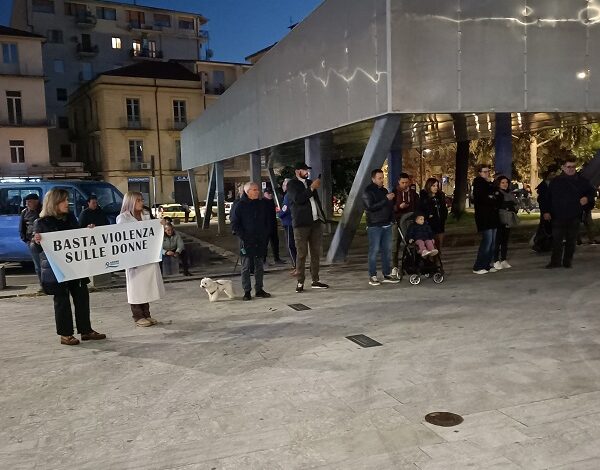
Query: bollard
{"points": [[2, 277]]}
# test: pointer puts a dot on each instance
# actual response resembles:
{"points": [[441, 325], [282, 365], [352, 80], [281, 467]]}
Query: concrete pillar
{"points": [[220, 192], [255, 168], [394, 168], [320, 162], [503, 163], [377, 150]]}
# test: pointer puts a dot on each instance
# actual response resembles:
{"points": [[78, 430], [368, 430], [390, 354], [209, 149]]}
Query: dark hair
{"points": [[499, 179], [374, 172], [429, 183], [403, 176], [481, 166]]}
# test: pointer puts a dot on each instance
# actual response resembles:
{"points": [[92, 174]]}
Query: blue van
{"points": [[12, 195]]}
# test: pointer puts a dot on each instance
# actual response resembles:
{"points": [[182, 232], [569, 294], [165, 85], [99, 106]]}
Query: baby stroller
{"points": [[413, 264]]}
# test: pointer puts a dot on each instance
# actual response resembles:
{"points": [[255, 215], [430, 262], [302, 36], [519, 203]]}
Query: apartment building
{"points": [[23, 122], [128, 118], [88, 37]]}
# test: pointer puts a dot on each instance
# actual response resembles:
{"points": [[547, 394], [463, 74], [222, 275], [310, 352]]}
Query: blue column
{"points": [[220, 193], [255, 168], [503, 164], [394, 168]]}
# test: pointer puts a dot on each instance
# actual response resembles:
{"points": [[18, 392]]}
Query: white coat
{"points": [[144, 283]]}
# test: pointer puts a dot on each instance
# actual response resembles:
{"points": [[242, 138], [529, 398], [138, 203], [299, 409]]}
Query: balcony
{"points": [[87, 51], [133, 24], [136, 166], [215, 89], [27, 123], [176, 125], [145, 54], [135, 124], [85, 20]]}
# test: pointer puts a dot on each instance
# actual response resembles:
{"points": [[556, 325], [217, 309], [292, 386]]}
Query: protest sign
{"points": [[84, 252]]}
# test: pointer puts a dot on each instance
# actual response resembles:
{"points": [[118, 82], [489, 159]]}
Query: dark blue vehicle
{"points": [[12, 195]]}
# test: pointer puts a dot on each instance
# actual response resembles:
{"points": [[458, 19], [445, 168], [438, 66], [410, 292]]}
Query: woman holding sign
{"points": [[55, 216], [144, 283]]}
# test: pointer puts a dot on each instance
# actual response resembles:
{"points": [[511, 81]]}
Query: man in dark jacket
{"points": [[379, 205], [28, 216], [542, 241], [307, 219], [273, 236], [568, 195], [487, 200], [93, 215], [405, 202], [251, 224]]}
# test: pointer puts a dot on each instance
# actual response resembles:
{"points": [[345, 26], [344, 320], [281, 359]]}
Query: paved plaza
{"points": [[238, 385]]}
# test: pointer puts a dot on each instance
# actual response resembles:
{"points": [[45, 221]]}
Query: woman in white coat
{"points": [[144, 283]]}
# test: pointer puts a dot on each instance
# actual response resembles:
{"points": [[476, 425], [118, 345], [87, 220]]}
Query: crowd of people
{"points": [[565, 201]]}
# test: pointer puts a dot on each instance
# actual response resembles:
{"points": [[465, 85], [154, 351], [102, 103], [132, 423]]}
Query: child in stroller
{"points": [[419, 255]]}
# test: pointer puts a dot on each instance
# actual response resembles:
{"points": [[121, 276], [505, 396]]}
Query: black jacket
{"points": [[435, 211], [271, 212], [96, 217], [488, 200], [564, 194], [380, 210], [26, 222], [542, 197], [299, 196], [53, 224], [252, 224], [420, 232]]}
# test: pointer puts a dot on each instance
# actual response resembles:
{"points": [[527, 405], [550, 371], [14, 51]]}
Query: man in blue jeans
{"points": [[379, 205], [487, 200]]}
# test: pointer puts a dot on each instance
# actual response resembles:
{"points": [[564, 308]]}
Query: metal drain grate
{"points": [[299, 307], [363, 341], [444, 418]]}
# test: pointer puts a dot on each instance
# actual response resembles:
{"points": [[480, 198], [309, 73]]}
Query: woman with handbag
{"points": [[508, 219], [55, 216]]}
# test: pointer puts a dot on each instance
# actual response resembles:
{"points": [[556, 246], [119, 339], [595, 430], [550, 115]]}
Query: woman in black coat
{"points": [[433, 206], [55, 216]]}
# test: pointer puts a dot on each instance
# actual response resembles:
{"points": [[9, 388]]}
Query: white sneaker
{"points": [[395, 272], [505, 265], [481, 271], [498, 265], [373, 281], [492, 270], [425, 253], [433, 252]]}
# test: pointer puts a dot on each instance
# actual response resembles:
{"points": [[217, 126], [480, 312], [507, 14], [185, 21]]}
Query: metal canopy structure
{"points": [[352, 61]]}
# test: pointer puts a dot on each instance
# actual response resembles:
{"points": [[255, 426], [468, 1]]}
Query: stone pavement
{"points": [[238, 385]]}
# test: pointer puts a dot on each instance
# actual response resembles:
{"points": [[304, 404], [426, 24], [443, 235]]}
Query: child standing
{"points": [[421, 233]]}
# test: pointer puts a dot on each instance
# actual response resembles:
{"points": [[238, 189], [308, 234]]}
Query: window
{"points": [[63, 122], [116, 43], [86, 42], [17, 151], [151, 49], [86, 71], [61, 94], [55, 36], [136, 48], [133, 110], [164, 21], [10, 54], [136, 153], [65, 151], [179, 115], [13, 103], [106, 13], [135, 18], [186, 23], [59, 66], [43, 6], [12, 199], [75, 9]]}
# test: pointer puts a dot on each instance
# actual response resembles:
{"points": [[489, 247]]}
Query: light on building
{"points": [[582, 75]]}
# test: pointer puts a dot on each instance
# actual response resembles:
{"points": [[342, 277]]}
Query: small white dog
{"points": [[214, 288]]}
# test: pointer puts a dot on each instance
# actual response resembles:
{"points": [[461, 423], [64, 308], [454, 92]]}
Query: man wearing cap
{"points": [[28, 216], [307, 219], [93, 215]]}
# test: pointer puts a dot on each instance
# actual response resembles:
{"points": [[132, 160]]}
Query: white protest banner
{"points": [[84, 252]]}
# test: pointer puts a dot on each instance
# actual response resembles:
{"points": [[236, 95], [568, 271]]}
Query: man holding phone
{"points": [[307, 219]]}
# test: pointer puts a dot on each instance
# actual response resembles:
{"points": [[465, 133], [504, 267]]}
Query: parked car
{"points": [[175, 211], [12, 195], [214, 208]]}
